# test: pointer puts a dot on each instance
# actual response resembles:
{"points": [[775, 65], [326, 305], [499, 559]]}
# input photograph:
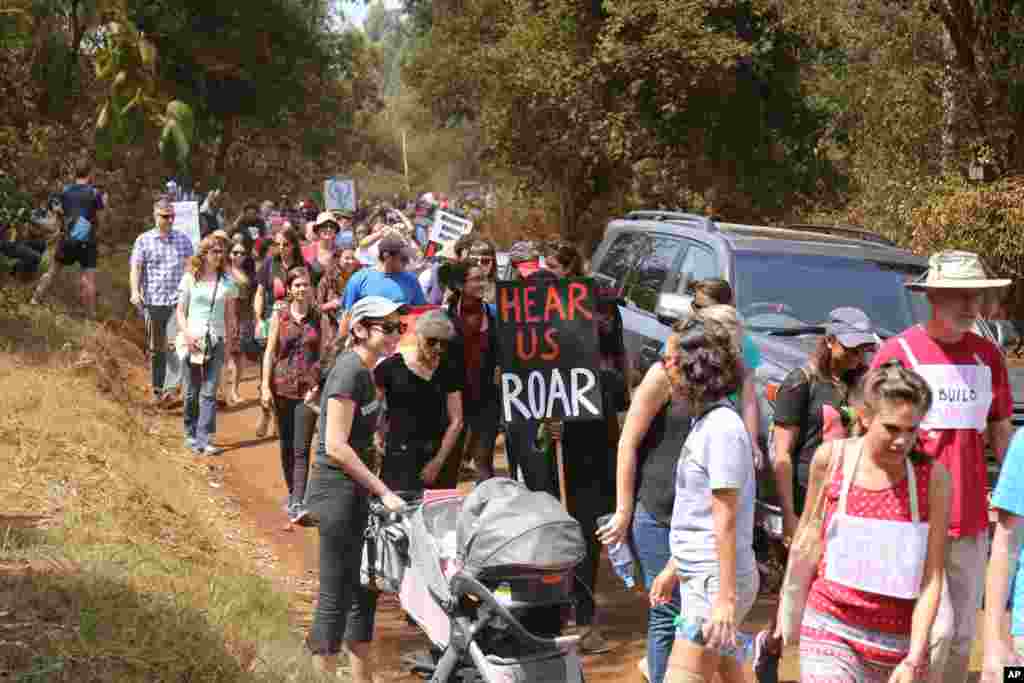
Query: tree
{"points": [[578, 97], [377, 22]]}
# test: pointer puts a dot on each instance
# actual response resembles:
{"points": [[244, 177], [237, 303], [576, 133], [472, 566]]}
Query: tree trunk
{"points": [[949, 104], [227, 137]]}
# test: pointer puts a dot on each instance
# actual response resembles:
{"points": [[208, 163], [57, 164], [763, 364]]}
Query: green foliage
{"points": [[582, 100], [15, 205], [986, 219]]}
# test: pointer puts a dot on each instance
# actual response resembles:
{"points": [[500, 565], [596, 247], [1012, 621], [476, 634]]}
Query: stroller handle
{"points": [[462, 582], [380, 511]]}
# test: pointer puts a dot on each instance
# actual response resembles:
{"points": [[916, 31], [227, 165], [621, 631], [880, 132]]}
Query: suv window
{"points": [[651, 273], [779, 291], [700, 264], [621, 256]]}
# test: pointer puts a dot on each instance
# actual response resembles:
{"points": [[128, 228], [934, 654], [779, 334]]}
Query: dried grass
{"points": [[114, 563]]}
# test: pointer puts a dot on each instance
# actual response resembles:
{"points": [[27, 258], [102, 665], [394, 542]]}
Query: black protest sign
{"points": [[549, 350]]}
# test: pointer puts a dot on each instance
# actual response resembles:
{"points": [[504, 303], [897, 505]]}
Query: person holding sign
{"points": [[971, 401], [712, 532], [883, 509], [588, 446], [473, 353]]}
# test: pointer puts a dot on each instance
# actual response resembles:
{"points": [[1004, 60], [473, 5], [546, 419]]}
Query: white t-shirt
{"points": [[717, 455]]}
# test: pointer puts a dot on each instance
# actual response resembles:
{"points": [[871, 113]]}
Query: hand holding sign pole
{"points": [[547, 332]]}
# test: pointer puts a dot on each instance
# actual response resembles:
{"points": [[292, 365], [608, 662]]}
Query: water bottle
{"points": [[621, 556], [744, 647]]}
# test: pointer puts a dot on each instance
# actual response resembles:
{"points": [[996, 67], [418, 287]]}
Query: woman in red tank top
{"points": [[877, 589]]}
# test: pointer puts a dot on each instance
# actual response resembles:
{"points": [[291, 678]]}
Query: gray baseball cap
{"points": [[852, 327], [373, 307]]}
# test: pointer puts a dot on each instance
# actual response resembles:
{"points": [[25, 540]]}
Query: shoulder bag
{"points": [[804, 555]]}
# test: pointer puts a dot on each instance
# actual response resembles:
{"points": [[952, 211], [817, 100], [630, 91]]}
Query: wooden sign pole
{"points": [[560, 463]]}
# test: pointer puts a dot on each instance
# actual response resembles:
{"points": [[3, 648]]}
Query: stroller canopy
{"points": [[504, 524]]}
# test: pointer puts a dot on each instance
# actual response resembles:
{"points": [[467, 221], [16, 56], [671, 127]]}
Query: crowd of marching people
{"points": [[873, 441]]}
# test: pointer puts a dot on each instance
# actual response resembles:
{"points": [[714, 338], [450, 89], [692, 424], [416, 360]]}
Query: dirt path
{"points": [[252, 475]]}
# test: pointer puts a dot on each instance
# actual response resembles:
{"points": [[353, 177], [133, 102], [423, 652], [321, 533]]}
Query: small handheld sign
{"points": [[547, 331], [340, 194], [186, 220], [448, 227]]}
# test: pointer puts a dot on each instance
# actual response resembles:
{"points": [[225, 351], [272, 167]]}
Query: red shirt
{"points": [[962, 451], [858, 608]]}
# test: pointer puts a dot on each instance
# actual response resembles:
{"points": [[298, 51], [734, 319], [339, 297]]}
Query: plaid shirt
{"points": [[163, 265]]}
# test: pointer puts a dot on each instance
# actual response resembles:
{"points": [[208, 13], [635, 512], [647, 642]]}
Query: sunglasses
{"points": [[217, 251], [238, 252], [435, 343], [391, 328], [482, 260]]}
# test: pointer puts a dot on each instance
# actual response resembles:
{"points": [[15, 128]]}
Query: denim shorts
{"points": [[696, 601]]}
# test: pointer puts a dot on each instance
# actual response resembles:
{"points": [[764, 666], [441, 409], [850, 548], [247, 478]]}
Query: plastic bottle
{"points": [[744, 647], [621, 556]]}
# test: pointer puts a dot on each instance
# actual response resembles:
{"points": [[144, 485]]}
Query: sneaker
{"points": [[190, 443], [210, 450], [766, 664], [593, 643], [297, 513], [644, 671]]}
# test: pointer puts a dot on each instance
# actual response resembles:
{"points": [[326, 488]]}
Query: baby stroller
{"points": [[480, 570]]}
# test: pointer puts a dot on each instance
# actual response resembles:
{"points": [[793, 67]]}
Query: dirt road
{"points": [[252, 474]]}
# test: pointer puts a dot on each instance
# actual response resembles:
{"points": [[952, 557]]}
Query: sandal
{"points": [[263, 427]]}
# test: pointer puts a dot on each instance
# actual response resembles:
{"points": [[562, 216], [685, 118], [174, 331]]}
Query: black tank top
{"points": [[657, 457]]}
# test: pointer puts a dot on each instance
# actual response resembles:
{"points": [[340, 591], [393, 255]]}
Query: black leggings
{"points": [[295, 423], [344, 609]]}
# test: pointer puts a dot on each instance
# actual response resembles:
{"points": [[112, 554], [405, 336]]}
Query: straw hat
{"points": [[956, 270]]}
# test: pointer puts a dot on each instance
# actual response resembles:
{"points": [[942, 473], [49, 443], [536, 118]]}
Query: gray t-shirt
{"points": [[717, 455], [350, 379]]}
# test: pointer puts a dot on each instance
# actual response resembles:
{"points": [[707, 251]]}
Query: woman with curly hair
{"points": [[206, 297], [712, 528]]}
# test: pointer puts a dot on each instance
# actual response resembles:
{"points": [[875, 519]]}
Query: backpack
{"points": [[78, 228]]}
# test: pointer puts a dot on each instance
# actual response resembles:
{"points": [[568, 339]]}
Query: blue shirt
{"points": [[345, 240], [402, 287], [1009, 496]]}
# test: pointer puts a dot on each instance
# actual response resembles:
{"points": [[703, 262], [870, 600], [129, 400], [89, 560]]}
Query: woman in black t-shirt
{"points": [[339, 494], [424, 396]]}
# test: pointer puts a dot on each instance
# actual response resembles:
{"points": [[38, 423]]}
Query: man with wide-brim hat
{"points": [[971, 403]]}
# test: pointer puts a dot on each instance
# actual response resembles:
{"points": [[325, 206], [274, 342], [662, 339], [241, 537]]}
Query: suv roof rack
{"points": [[676, 216], [844, 231]]}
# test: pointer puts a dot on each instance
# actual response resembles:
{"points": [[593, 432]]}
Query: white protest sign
{"points": [[340, 194], [186, 220], [448, 227], [962, 396], [877, 555]]}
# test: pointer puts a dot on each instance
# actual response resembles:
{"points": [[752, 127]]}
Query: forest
{"points": [[902, 116]]}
